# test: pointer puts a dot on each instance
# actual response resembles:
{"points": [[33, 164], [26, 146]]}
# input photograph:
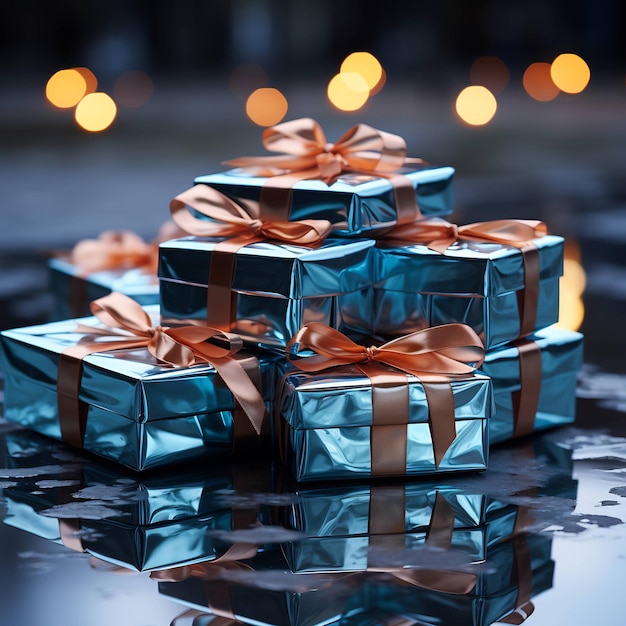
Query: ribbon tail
{"points": [[440, 415]]}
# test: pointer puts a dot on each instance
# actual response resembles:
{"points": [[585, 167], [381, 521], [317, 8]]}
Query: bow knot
{"points": [[256, 226], [372, 351]]}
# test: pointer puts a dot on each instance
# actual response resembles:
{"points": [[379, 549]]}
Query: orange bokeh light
{"points": [[570, 73], [266, 106], [65, 88], [133, 88], [91, 82], [490, 72], [538, 83]]}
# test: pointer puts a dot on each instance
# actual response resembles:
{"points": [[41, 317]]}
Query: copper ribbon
{"points": [[307, 155], [438, 235], [241, 224], [433, 355], [194, 618], [128, 326], [525, 400], [522, 575]]}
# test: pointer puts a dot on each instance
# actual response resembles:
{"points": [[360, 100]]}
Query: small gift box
{"points": [[361, 184], [534, 382], [266, 291], [411, 406], [140, 395], [371, 527], [142, 524], [501, 278], [114, 261], [499, 590]]}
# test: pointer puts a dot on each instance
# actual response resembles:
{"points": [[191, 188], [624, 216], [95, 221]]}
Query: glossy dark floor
{"points": [[545, 523]]}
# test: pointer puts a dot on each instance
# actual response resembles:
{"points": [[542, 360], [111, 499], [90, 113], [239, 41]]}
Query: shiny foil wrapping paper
{"points": [[326, 425], [278, 288], [152, 522], [72, 292], [516, 570], [561, 356], [471, 283], [356, 204], [346, 527], [140, 414]]}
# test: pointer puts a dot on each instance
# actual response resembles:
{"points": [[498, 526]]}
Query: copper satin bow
{"points": [[307, 155], [439, 235], [128, 327], [228, 218], [433, 355], [120, 250]]}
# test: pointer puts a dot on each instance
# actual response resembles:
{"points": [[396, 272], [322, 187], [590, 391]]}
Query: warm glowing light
{"points": [[266, 106], [65, 88], [538, 82], [572, 286], [490, 72], [364, 64], [95, 112], [380, 84], [247, 77], [348, 91], [570, 73], [133, 88], [476, 105], [90, 79]]}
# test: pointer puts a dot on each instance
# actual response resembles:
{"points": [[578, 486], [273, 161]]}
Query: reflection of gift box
{"points": [[155, 522], [120, 404], [478, 284], [265, 291], [353, 528], [515, 571], [329, 428], [72, 290], [356, 204], [534, 382], [260, 591]]}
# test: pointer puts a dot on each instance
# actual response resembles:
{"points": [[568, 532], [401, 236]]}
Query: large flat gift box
{"points": [[370, 527], [129, 408], [534, 382], [329, 430], [138, 523], [355, 204], [72, 290], [481, 284], [265, 292]]}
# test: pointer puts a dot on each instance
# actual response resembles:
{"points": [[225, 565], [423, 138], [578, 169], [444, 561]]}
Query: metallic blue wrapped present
{"points": [[371, 527], [502, 290], [361, 184], [266, 291], [534, 382], [72, 290], [140, 395], [146, 523], [408, 407]]}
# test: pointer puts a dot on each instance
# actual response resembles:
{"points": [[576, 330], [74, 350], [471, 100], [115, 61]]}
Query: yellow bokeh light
{"points": [[91, 81], [133, 88], [364, 64], [348, 91], [570, 73], [490, 72], [538, 82], [572, 286], [476, 105], [95, 112], [65, 88], [266, 106]]}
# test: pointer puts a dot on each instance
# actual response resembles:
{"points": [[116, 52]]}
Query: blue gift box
{"points": [[72, 290], [355, 205], [552, 357], [146, 523], [138, 412], [473, 283], [326, 426], [277, 287]]}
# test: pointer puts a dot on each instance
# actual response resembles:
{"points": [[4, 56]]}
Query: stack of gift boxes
{"points": [[319, 308]]}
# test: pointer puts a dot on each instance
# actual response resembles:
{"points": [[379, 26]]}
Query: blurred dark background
{"points": [[559, 160]]}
